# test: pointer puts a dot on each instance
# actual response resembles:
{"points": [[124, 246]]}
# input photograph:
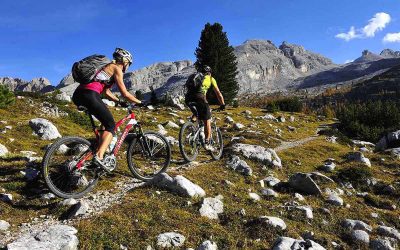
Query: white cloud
{"points": [[349, 35], [375, 24], [392, 37]]}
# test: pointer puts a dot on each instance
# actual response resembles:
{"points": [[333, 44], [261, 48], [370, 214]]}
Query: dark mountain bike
{"points": [[191, 139], [68, 170]]}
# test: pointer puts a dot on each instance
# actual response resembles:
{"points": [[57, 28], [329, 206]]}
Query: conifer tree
{"points": [[214, 50]]}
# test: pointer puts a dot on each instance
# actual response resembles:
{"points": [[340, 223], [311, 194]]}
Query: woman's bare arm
{"points": [[119, 76]]}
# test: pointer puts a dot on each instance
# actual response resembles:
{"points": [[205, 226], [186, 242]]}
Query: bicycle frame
{"points": [[132, 122]]}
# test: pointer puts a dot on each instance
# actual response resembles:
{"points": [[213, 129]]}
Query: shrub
{"points": [[356, 175], [79, 118], [6, 96], [289, 104], [235, 103], [369, 120]]}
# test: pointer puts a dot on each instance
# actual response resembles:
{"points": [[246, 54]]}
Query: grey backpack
{"points": [[194, 82], [86, 69]]}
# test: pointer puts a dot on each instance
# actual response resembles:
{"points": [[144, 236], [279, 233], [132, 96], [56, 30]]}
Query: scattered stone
{"points": [[242, 212], [307, 211], [328, 166], [281, 119], [44, 129], [239, 165], [108, 102], [170, 124], [3, 150], [54, 237], [359, 157], [331, 139], [360, 236], [335, 199], [286, 243], [356, 225], [69, 202], [291, 118], [4, 225], [274, 222], [306, 183], [172, 141], [247, 112], [150, 107], [78, 209], [238, 126], [395, 152], [254, 197], [229, 183], [161, 129], [267, 156], [181, 121], [178, 184], [270, 181], [383, 244], [207, 245], [290, 128], [299, 197], [48, 196], [374, 215], [389, 232], [211, 207], [267, 192], [63, 97], [6, 197], [386, 140], [229, 120], [171, 239]]}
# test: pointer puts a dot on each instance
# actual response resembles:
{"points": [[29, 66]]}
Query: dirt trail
{"points": [[293, 144]]}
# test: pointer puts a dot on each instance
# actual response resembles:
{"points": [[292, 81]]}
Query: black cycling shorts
{"points": [[199, 101], [92, 101]]}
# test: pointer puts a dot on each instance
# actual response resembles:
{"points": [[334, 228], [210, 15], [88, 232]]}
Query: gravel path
{"points": [[293, 144]]}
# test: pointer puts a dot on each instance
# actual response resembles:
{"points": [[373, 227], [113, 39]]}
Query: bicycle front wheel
{"points": [[188, 142], [148, 155], [217, 143], [60, 167]]}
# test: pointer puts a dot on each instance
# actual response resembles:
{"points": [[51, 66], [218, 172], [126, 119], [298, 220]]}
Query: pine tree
{"points": [[6, 97], [214, 50]]}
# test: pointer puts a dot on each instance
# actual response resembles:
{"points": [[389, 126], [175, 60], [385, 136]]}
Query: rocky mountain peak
{"points": [[389, 53], [368, 56], [40, 84]]}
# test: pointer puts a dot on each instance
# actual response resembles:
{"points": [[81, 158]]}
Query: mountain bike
{"points": [[192, 138], [69, 172]]}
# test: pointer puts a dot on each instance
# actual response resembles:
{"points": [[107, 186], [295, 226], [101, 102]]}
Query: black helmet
{"points": [[207, 69], [122, 55]]}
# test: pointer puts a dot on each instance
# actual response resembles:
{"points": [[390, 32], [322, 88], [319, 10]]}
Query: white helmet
{"points": [[122, 55]]}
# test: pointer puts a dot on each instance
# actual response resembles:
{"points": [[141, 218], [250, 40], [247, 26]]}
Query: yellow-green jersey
{"points": [[207, 83]]}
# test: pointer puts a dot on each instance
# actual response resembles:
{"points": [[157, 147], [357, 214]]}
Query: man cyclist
{"points": [[198, 97], [88, 95]]}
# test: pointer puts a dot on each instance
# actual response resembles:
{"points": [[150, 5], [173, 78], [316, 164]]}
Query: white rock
{"points": [[78, 209], [63, 97], [44, 129], [286, 243], [229, 120], [211, 207], [299, 197], [161, 129], [172, 141], [359, 157], [54, 237], [178, 184], [383, 244], [238, 126], [4, 225], [208, 245], [109, 103], [389, 232], [171, 239], [69, 202], [170, 124], [239, 165], [150, 107], [271, 181], [48, 196], [274, 222], [267, 192], [360, 236], [335, 199], [6, 197], [258, 153], [356, 225], [254, 197], [307, 211], [3, 150]]}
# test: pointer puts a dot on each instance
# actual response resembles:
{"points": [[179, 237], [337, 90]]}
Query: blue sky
{"points": [[44, 38]]}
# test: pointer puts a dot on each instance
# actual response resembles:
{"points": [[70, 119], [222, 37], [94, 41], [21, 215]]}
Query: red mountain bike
{"points": [[68, 170]]}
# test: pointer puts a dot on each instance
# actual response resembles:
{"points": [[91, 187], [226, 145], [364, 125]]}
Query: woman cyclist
{"points": [[88, 95]]}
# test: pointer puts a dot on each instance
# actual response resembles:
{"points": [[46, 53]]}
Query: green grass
{"points": [[143, 213]]}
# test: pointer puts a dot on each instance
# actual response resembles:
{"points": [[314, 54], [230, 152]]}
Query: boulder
{"points": [[161, 129], [360, 236], [383, 244], [229, 120], [273, 222], [286, 243], [53, 237], [335, 199], [3, 150], [389, 232], [385, 141], [266, 156], [63, 97], [4, 225], [239, 165], [109, 103], [171, 239], [254, 197], [178, 184], [211, 207], [270, 181], [356, 225], [44, 129], [207, 245], [304, 183], [359, 157], [78, 209], [269, 193], [307, 211]]}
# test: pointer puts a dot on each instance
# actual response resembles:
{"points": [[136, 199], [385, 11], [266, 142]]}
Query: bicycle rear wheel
{"points": [[148, 155], [217, 143], [188, 143], [60, 170]]}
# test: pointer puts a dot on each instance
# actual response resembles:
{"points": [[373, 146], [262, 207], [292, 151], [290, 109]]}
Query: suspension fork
{"points": [[142, 140]]}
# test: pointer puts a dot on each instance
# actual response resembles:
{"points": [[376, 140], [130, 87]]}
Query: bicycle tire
{"points": [[133, 166], [186, 156], [221, 146], [45, 168]]}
